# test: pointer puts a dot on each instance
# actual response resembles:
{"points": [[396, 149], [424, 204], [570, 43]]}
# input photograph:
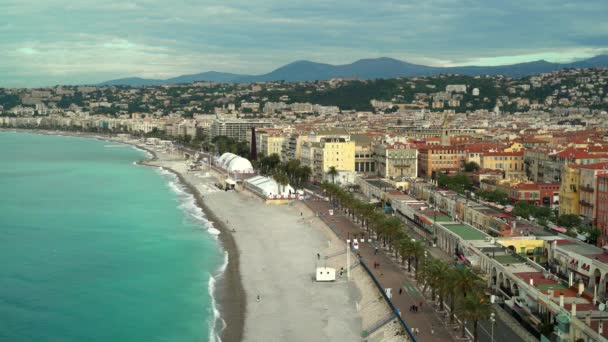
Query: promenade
{"points": [[391, 275]]}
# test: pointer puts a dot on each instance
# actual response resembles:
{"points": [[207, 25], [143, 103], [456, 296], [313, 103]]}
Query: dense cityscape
{"points": [[510, 176]]}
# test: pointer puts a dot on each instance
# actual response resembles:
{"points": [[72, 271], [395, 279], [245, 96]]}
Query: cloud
{"points": [[54, 41]]}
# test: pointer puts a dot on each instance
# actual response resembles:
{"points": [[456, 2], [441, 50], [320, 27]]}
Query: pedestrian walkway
{"points": [[390, 275]]}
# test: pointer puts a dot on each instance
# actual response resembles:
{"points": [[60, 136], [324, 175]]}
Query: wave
{"points": [[214, 332], [189, 206], [187, 201], [148, 154]]}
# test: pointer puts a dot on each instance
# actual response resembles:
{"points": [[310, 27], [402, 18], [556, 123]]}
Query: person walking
{"points": [[376, 251], [400, 290], [258, 299]]}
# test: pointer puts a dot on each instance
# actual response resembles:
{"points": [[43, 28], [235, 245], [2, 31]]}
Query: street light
{"points": [[492, 321]]}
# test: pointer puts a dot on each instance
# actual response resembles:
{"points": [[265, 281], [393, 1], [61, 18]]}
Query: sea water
{"points": [[95, 248]]}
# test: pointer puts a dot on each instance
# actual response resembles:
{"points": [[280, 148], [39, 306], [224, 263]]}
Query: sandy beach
{"points": [[273, 254], [277, 248]]}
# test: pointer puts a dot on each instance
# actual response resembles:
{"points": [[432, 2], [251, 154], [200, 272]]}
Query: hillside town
{"points": [[506, 176]]}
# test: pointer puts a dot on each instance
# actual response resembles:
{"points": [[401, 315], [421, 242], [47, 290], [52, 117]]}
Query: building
{"points": [[538, 193], [364, 154], [602, 206], [569, 201], [432, 159], [396, 160], [270, 141], [235, 129], [330, 152], [587, 187], [511, 163]]}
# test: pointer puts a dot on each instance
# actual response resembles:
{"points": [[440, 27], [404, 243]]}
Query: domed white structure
{"points": [[233, 163]]}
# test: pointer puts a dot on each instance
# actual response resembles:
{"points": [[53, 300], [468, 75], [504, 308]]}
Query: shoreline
{"points": [[327, 310], [228, 290], [230, 296]]}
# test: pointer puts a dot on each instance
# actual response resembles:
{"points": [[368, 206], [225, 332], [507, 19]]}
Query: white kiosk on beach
{"points": [[326, 274]]}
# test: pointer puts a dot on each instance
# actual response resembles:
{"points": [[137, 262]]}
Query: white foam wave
{"points": [[175, 187], [148, 154], [213, 231], [188, 202], [214, 333]]}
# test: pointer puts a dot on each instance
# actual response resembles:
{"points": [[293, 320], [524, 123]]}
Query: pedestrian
{"points": [[416, 331], [376, 251], [400, 290], [432, 329], [318, 256], [258, 299], [300, 213], [420, 304]]}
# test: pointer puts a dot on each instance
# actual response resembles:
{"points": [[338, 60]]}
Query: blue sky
{"points": [[47, 42]]}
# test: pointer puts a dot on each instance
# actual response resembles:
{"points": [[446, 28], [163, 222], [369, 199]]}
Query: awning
{"points": [[559, 229], [425, 220]]}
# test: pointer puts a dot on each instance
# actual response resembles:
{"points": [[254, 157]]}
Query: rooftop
{"points": [[465, 232]]}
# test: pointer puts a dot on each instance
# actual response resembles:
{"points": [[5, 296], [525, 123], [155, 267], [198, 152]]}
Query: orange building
{"points": [[439, 158]]}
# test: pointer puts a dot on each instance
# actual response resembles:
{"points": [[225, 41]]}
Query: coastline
{"points": [[230, 296], [228, 290], [336, 312]]}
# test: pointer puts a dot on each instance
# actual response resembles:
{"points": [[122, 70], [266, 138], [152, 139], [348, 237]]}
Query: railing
{"points": [[388, 301], [378, 325]]}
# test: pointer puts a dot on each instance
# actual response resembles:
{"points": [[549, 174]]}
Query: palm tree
{"points": [[474, 308], [333, 173], [461, 281], [406, 249], [282, 179], [303, 175], [417, 252]]}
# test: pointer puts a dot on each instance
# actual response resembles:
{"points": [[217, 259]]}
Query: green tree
{"points": [[474, 308], [471, 166], [569, 220], [332, 172]]}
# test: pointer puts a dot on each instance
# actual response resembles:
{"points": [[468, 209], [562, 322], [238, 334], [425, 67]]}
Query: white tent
{"points": [[233, 163], [268, 187]]}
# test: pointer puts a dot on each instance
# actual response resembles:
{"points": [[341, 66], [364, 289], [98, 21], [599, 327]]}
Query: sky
{"points": [[49, 42]]}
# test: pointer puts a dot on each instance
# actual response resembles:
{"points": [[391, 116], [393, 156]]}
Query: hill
{"points": [[374, 68]]}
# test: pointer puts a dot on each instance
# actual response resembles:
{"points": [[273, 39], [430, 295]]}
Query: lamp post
{"points": [[492, 321]]}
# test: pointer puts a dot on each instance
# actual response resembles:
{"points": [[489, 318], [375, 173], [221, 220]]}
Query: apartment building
{"points": [[396, 160], [511, 163], [432, 159], [235, 129], [330, 152]]}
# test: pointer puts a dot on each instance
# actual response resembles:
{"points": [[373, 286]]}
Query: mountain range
{"points": [[374, 68]]}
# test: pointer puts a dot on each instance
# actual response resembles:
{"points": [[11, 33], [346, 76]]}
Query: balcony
{"points": [[586, 204], [586, 188]]}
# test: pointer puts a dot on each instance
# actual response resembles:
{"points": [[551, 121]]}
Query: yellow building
{"points": [[569, 192], [533, 249], [511, 163], [515, 147], [271, 143], [333, 152]]}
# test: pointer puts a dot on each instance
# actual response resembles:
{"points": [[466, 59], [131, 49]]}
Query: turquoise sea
{"points": [[95, 248]]}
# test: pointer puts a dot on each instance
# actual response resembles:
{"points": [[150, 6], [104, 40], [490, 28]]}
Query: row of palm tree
{"points": [[460, 287]]}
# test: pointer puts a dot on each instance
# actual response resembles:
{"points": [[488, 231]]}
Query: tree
{"points": [[458, 183], [569, 220], [281, 178], [474, 308], [332, 172], [471, 166], [418, 253]]}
